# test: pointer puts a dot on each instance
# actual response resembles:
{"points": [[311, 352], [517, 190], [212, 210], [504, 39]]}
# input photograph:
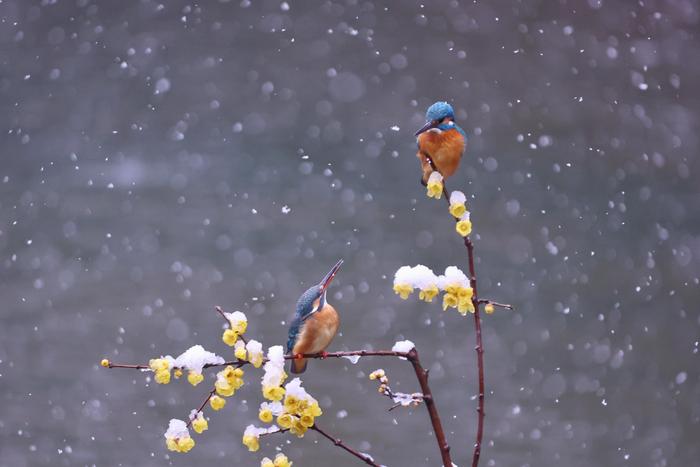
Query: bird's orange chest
{"points": [[445, 148], [318, 331], [433, 142]]}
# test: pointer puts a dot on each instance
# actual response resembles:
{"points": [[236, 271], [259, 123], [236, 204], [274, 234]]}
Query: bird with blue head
{"points": [[315, 322], [441, 140]]}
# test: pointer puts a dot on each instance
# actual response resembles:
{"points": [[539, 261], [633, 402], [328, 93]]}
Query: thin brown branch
{"points": [[422, 377], [319, 356], [491, 302], [201, 407], [221, 312], [477, 327], [338, 442], [129, 366], [351, 353], [399, 398], [284, 430]]}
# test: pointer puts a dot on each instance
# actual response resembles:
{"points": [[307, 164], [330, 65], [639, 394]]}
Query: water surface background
{"points": [[162, 158]]}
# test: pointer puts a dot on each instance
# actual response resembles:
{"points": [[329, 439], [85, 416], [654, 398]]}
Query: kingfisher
{"points": [[442, 140], [315, 322]]}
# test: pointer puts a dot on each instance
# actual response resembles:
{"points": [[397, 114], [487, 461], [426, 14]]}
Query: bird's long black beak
{"points": [[427, 126], [329, 277]]}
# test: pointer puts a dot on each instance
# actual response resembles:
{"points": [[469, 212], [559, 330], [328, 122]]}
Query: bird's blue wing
{"points": [[294, 330]]}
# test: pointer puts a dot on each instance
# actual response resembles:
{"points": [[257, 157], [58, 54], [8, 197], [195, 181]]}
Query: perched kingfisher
{"points": [[315, 322], [441, 139]]}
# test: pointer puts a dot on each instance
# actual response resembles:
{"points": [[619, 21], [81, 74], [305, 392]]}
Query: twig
{"points": [[283, 430], [412, 399], [491, 302], [319, 356], [201, 407], [338, 442], [477, 327], [422, 376], [221, 312], [126, 365]]}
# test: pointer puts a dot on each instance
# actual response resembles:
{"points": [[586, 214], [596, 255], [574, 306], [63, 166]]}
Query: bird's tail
{"points": [[298, 365]]}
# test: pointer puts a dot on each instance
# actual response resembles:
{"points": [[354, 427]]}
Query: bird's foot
{"points": [[323, 354], [298, 356]]}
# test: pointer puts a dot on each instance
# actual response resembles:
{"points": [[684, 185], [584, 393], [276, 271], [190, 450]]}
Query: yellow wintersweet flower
{"points": [[177, 373], [224, 388], [159, 364], [171, 443], [105, 363], [464, 227], [465, 306], [240, 351], [162, 376], [489, 308], [465, 292], [251, 442], [291, 403], [458, 210], [228, 373], [265, 415], [239, 326], [273, 393], [315, 409], [231, 374], [307, 420], [200, 424], [255, 353], [434, 187], [435, 190], [217, 403], [377, 374], [179, 444], [266, 462], [449, 300], [298, 429], [281, 461], [302, 405], [195, 378], [427, 294], [230, 337], [285, 420], [185, 444], [403, 290]]}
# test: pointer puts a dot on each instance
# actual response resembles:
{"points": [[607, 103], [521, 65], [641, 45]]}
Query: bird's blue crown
{"points": [[438, 111]]}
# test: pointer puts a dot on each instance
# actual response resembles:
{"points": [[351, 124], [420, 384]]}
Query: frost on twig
{"points": [[399, 398]]}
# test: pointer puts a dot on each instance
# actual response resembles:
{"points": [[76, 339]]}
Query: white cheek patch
{"points": [[451, 123]]}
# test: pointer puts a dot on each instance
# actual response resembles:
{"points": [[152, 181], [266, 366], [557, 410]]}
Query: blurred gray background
{"points": [[162, 158]]}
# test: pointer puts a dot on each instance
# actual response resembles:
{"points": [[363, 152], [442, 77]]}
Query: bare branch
{"points": [[477, 327], [338, 442], [491, 302], [201, 407]]}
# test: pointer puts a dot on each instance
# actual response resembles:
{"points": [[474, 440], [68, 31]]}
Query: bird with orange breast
{"points": [[315, 323], [441, 140]]}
